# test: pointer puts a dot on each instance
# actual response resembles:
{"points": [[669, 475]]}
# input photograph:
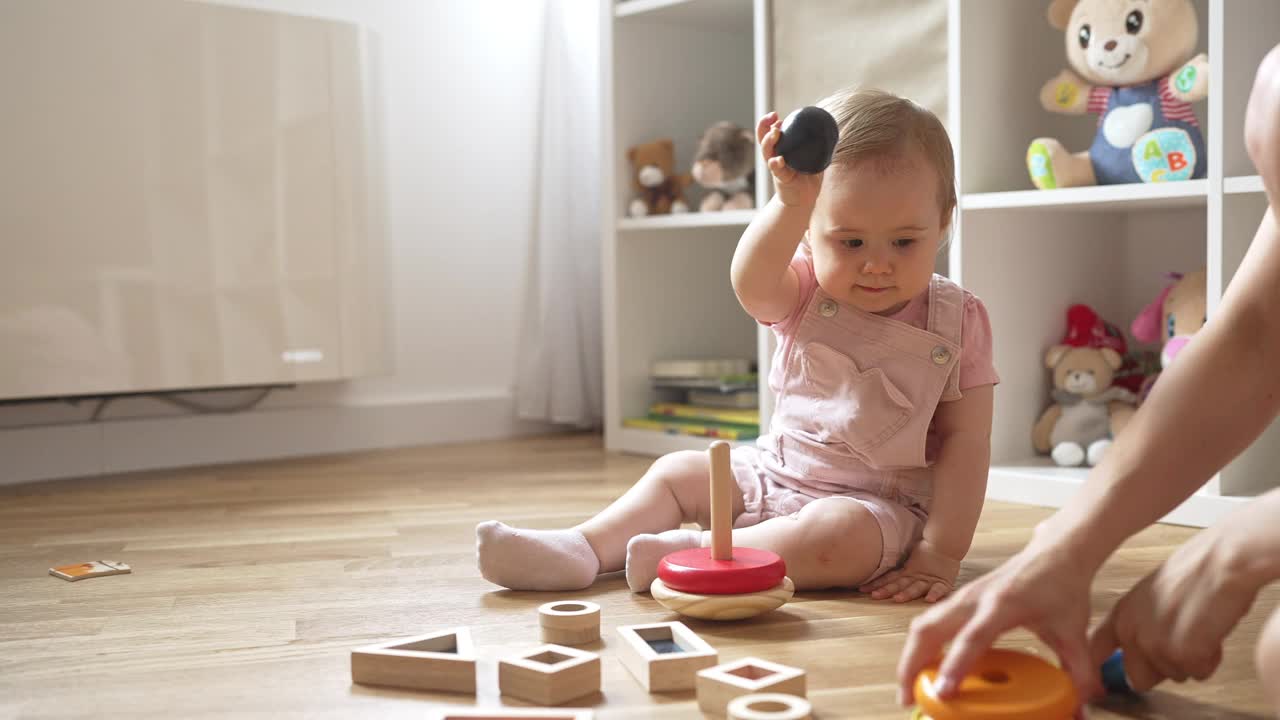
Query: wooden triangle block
{"points": [[444, 661]]}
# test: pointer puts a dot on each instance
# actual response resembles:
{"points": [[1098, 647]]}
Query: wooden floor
{"points": [[251, 585]]}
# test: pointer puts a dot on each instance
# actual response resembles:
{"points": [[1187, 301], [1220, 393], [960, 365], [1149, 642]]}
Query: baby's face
{"points": [[875, 233]]}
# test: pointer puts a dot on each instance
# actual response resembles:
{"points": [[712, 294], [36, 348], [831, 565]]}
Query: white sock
{"points": [[644, 552], [535, 559]]}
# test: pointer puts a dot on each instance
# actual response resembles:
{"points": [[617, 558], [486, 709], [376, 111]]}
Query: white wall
{"points": [[461, 100]]}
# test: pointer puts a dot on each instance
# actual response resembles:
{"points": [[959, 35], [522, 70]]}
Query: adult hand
{"points": [[1044, 588]]}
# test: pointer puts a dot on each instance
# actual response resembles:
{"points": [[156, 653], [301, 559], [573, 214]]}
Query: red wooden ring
{"points": [[693, 571]]}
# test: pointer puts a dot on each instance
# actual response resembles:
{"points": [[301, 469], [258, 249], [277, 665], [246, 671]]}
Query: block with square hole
{"points": [[664, 656], [574, 622], [719, 685], [506, 713], [722, 582], [770, 706], [550, 675], [1003, 685], [442, 661]]}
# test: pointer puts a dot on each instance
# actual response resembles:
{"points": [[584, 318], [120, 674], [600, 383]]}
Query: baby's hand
{"points": [[1262, 123], [927, 573], [794, 189]]}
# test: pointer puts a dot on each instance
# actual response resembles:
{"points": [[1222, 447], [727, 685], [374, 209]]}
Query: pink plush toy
{"points": [[1176, 314]]}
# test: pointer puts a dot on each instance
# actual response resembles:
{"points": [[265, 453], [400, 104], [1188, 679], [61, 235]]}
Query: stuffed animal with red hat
{"points": [[1088, 409]]}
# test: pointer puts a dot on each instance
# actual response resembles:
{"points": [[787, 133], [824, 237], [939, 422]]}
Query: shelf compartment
{"points": [[1250, 30], [1004, 53]]}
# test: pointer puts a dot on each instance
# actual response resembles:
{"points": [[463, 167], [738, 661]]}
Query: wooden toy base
{"points": [[723, 607]]}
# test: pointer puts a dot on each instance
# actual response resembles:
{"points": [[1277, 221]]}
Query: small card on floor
{"points": [[95, 568]]}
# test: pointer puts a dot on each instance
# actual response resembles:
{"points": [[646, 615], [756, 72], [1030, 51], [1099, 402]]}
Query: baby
{"points": [[875, 468]]}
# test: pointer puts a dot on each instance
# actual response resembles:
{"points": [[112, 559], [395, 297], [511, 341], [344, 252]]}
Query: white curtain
{"points": [[559, 376]]}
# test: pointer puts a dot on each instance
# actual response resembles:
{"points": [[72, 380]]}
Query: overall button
{"points": [[941, 355], [827, 308]]}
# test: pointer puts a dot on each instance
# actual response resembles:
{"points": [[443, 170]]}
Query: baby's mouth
{"points": [[1117, 65]]}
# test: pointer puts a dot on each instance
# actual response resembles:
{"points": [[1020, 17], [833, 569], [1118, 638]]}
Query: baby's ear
{"points": [[1060, 13]]}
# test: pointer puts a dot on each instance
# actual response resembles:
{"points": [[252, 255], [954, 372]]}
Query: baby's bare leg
{"points": [[674, 490], [1267, 657], [832, 542]]}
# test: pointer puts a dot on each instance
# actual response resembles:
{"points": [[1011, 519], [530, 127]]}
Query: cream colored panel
{"points": [[822, 45], [171, 211]]}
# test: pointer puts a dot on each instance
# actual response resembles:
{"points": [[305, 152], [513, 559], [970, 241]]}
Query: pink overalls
{"points": [[855, 401]]}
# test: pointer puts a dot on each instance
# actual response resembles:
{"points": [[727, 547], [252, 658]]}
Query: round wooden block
{"points": [[569, 622], [1003, 685], [770, 706], [723, 607], [695, 571]]}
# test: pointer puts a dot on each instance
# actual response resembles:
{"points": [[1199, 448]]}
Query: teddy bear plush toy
{"points": [[1088, 411], [1172, 318], [725, 166], [659, 190], [1135, 66]]}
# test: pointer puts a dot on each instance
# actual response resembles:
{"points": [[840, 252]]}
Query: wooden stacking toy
{"points": [[1003, 685], [722, 582]]}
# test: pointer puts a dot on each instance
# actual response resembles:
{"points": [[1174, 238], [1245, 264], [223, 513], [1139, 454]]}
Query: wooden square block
{"points": [[511, 714], [719, 685], [664, 656], [550, 675], [443, 661]]}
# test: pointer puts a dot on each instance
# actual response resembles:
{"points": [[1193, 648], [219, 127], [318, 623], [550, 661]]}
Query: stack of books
{"points": [[716, 399]]}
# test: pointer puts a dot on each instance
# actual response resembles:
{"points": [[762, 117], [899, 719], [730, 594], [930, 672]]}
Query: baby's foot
{"points": [[535, 559], [644, 552]]}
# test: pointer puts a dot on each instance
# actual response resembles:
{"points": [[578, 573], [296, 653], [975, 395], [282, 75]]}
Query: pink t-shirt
{"points": [[976, 366]]}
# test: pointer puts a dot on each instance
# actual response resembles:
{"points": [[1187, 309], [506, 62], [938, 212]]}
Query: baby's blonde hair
{"points": [[881, 127]]}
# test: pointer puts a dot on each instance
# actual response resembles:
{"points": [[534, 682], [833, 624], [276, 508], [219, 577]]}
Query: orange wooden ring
{"points": [[1003, 685]]}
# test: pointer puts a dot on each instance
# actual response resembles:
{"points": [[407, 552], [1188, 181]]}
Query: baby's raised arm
{"points": [[763, 280]]}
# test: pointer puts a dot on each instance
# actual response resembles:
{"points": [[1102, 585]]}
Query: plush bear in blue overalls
{"points": [[1140, 74]]}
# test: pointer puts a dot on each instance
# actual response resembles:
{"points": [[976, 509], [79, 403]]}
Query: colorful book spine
{"points": [[705, 414], [677, 427]]}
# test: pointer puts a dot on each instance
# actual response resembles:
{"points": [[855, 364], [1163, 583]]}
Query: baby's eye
{"points": [[904, 242], [851, 243]]}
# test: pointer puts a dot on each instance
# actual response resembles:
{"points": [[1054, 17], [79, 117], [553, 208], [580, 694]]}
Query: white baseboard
{"points": [[109, 447]]}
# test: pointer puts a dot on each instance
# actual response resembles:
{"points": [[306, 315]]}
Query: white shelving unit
{"points": [[675, 66], [672, 68], [1030, 254]]}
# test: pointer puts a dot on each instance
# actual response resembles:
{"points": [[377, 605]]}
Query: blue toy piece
{"points": [[1114, 679]]}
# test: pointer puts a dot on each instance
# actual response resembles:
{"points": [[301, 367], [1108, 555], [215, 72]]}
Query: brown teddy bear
{"points": [[1135, 65], [725, 166], [659, 190], [1087, 410]]}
